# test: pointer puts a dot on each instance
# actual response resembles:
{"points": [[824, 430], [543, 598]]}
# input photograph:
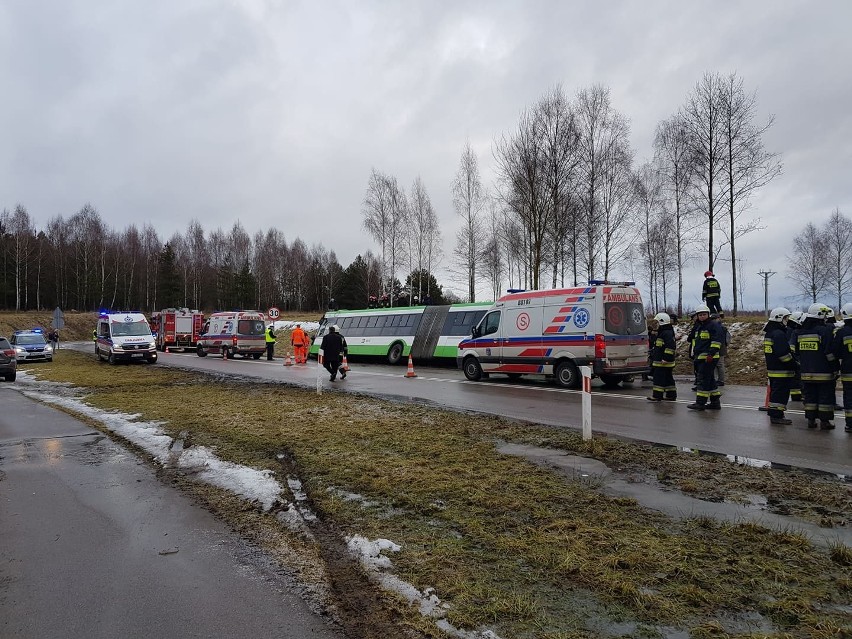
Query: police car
{"points": [[31, 346]]}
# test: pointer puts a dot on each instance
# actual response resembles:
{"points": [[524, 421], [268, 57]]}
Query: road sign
{"points": [[273, 313], [58, 319]]}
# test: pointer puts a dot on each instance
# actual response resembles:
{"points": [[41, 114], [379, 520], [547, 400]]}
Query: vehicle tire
{"points": [[10, 377], [111, 359], [472, 369], [229, 353], [611, 381], [200, 352], [514, 376], [567, 375], [98, 354], [395, 353], [256, 355]]}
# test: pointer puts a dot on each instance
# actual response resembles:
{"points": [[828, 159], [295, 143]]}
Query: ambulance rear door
{"points": [[624, 329]]}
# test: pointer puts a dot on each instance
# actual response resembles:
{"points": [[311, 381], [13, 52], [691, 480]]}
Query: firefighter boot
{"points": [[811, 422], [848, 428], [824, 424], [715, 403], [696, 405], [780, 421]]}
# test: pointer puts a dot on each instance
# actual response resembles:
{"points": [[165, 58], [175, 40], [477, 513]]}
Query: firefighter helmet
{"points": [[663, 319], [778, 314], [846, 311], [819, 311], [797, 317], [708, 273], [702, 309]]}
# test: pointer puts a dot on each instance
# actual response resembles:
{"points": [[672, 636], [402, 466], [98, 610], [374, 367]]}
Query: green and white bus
{"points": [[424, 332]]}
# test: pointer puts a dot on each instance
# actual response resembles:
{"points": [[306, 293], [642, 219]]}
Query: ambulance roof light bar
{"points": [[607, 282], [516, 290]]}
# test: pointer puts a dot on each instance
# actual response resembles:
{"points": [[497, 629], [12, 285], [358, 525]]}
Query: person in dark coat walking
{"points": [[663, 360], [794, 323], [332, 346], [780, 365]]}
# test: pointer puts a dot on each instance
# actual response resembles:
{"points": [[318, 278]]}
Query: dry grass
{"points": [[506, 543]]}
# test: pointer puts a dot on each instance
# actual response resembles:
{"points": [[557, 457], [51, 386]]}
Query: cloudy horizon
{"points": [[274, 114]]}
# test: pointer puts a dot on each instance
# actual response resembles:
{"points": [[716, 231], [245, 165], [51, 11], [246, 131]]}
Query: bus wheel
{"points": [[395, 353], [472, 369], [567, 375]]}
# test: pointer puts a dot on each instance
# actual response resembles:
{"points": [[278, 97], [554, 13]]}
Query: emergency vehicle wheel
{"points": [[200, 352], [472, 369], [395, 353], [10, 377], [229, 353], [567, 375], [112, 359], [256, 355]]}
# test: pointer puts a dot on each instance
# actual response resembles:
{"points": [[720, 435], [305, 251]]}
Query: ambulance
{"points": [[554, 332], [124, 337], [177, 328], [234, 333]]}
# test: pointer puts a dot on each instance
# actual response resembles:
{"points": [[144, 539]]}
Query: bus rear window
{"points": [[624, 318]]}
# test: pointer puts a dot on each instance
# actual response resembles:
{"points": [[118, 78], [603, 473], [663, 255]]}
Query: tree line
{"points": [[79, 263], [569, 203]]}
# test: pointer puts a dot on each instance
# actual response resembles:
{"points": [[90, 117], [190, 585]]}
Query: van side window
{"points": [[491, 323]]}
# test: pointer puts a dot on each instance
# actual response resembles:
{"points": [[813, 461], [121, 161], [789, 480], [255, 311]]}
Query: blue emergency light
{"points": [[516, 290], [608, 283]]}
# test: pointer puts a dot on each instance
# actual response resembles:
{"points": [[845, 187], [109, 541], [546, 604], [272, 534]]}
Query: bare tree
{"points": [[703, 117], [838, 253], [425, 235], [604, 182], [809, 267], [468, 200], [675, 164], [493, 263], [20, 229], [748, 166], [385, 211]]}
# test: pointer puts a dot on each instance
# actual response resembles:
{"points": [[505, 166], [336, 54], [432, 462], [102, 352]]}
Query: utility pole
{"points": [[766, 275]]}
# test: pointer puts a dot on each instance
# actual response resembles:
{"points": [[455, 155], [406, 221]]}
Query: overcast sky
{"points": [[274, 113]]}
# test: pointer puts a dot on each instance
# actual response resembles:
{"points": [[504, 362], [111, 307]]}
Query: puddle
{"points": [[650, 494]]}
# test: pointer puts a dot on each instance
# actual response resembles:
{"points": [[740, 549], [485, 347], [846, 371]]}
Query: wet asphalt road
{"points": [[740, 429], [93, 545]]}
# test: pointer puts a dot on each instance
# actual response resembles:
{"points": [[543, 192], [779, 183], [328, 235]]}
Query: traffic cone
{"points": [[288, 361], [345, 364], [765, 406], [410, 372]]}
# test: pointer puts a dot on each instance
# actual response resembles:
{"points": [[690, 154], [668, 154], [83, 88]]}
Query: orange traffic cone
{"points": [[288, 361], [410, 372], [345, 364], [765, 406]]}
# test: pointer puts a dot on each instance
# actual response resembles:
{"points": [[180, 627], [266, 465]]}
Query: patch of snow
{"points": [[289, 324]]}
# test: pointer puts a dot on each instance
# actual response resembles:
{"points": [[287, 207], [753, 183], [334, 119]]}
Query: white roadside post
{"points": [[586, 372], [319, 372]]}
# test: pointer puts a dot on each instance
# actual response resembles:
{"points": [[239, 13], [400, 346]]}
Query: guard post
{"points": [[586, 372], [319, 371]]}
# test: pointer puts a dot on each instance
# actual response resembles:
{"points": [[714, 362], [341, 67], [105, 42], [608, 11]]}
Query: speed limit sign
{"points": [[273, 313]]}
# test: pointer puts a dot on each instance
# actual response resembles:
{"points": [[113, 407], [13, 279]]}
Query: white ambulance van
{"points": [[124, 337], [234, 333], [553, 332]]}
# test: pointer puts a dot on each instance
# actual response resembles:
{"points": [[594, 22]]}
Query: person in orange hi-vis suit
{"points": [[300, 342]]}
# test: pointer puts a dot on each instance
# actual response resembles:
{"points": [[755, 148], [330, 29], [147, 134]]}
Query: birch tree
{"points": [[468, 200]]}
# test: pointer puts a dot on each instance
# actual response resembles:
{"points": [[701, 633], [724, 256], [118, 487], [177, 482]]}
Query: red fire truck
{"points": [[177, 328]]}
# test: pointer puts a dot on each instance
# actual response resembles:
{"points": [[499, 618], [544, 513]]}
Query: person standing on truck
{"points": [[663, 360], [300, 342], [270, 342], [332, 346], [711, 293], [708, 341]]}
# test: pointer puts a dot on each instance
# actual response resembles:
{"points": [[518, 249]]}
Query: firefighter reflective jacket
{"points": [[708, 340], [776, 350], [813, 350], [663, 351], [842, 349], [711, 289]]}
